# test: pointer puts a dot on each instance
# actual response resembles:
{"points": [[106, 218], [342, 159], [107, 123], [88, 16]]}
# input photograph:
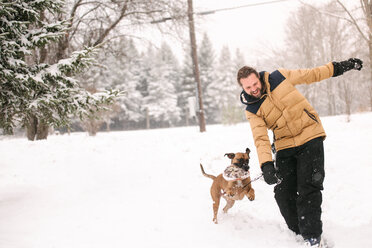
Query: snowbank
{"points": [[145, 189]]}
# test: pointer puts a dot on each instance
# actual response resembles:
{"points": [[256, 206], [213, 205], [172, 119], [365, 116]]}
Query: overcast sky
{"points": [[250, 28]]}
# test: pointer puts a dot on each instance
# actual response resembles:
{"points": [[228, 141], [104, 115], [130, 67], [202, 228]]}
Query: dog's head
{"points": [[240, 159]]}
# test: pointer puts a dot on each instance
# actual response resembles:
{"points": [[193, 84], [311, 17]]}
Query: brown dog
{"points": [[230, 190]]}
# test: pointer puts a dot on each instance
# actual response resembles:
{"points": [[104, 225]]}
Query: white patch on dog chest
{"points": [[239, 184]]}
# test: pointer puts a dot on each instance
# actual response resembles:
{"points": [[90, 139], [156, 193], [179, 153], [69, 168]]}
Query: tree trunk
{"points": [[331, 99], [194, 56], [368, 12], [36, 128], [92, 126], [370, 67], [108, 129], [31, 128], [347, 99], [147, 119], [42, 131]]}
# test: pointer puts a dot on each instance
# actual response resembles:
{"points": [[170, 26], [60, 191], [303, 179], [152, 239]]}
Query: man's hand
{"points": [[358, 64], [269, 173], [351, 64]]}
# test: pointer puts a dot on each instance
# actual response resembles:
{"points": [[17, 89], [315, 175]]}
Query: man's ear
{"points": [[230, 155], [247, 151]]}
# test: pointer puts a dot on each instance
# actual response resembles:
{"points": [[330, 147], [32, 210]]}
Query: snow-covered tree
{"points": [[239, 60], [131, 106], [207, 64], [39, 94], [161, 103], [186, 88], [120, 69], [224, 90]]}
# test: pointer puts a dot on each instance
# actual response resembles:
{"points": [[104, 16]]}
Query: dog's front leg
{"points": [[251, 194]]}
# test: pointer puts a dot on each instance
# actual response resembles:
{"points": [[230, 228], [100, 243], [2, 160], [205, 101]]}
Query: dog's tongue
{"points": [[233, 173]]}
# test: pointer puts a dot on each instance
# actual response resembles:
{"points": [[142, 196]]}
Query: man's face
{"points": [[252, 85]]}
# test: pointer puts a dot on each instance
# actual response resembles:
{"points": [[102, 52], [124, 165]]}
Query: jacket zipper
{"points": [[311, 115]]}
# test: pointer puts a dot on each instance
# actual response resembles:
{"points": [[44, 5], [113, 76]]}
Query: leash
{"points": [[254, 179], [261, 175]]}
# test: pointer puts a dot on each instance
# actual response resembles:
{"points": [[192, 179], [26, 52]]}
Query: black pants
{"points": [[299, 195]]}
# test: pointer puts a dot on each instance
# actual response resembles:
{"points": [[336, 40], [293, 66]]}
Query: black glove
{"points": [[346, 65], [269, 173]]}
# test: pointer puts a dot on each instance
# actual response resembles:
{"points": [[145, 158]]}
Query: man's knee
{"points": [[285, 195]]}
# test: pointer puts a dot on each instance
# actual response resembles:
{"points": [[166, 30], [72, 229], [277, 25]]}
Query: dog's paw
{"points": [[215, 221], [251, 197]]}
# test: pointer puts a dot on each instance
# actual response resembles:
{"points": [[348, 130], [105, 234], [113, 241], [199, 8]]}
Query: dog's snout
{"points": [[243, 161], [243, 164]]}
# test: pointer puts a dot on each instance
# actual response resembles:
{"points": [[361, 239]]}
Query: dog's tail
{"points": [[205, 174]]}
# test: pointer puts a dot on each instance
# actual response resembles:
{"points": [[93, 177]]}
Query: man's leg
{"points": [[310, 177], [286, 191]]}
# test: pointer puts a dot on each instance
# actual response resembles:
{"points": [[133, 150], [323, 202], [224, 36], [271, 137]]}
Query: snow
{"points": [[145, 189]]}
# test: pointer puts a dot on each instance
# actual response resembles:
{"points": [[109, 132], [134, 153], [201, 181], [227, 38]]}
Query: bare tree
{"points": [[364, 28], [315, 37]]}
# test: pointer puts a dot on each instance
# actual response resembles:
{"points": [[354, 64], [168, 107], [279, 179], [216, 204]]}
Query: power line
{"points": [[237, 7], [208, 12]]}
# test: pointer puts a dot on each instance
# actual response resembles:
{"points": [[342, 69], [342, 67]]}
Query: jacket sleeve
{"points": [[308, 76], [260, 136]]}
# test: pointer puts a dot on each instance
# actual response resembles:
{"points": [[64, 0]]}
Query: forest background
{"points": [[157, 81]]}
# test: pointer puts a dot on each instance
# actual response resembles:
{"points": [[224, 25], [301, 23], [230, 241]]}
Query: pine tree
{"points": [[186, 89], [237, 110], [207, 75], [134, 103], [239, 60], [119, 69], [40, 93], [225, 90], [161, 103]]}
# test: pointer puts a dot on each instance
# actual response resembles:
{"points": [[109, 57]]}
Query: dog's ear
{"points": [[230, 155], [247, 151]]}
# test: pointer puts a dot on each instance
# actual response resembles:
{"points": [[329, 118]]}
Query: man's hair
{"points": [[244, 72]]}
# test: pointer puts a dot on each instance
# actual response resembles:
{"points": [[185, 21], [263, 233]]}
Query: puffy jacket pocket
{"points": [[312, 116]]}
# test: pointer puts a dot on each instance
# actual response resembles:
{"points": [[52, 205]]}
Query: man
{"points": [[272, 102]]}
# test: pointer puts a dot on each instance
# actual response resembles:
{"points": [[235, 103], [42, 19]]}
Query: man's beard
{"points": [[259, 97]]}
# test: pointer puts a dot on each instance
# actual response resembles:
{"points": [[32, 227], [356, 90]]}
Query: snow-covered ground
{"points": [[145, 189]]}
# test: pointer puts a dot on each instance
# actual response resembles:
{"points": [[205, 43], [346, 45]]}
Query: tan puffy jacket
{"points": [[284, 110]]}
